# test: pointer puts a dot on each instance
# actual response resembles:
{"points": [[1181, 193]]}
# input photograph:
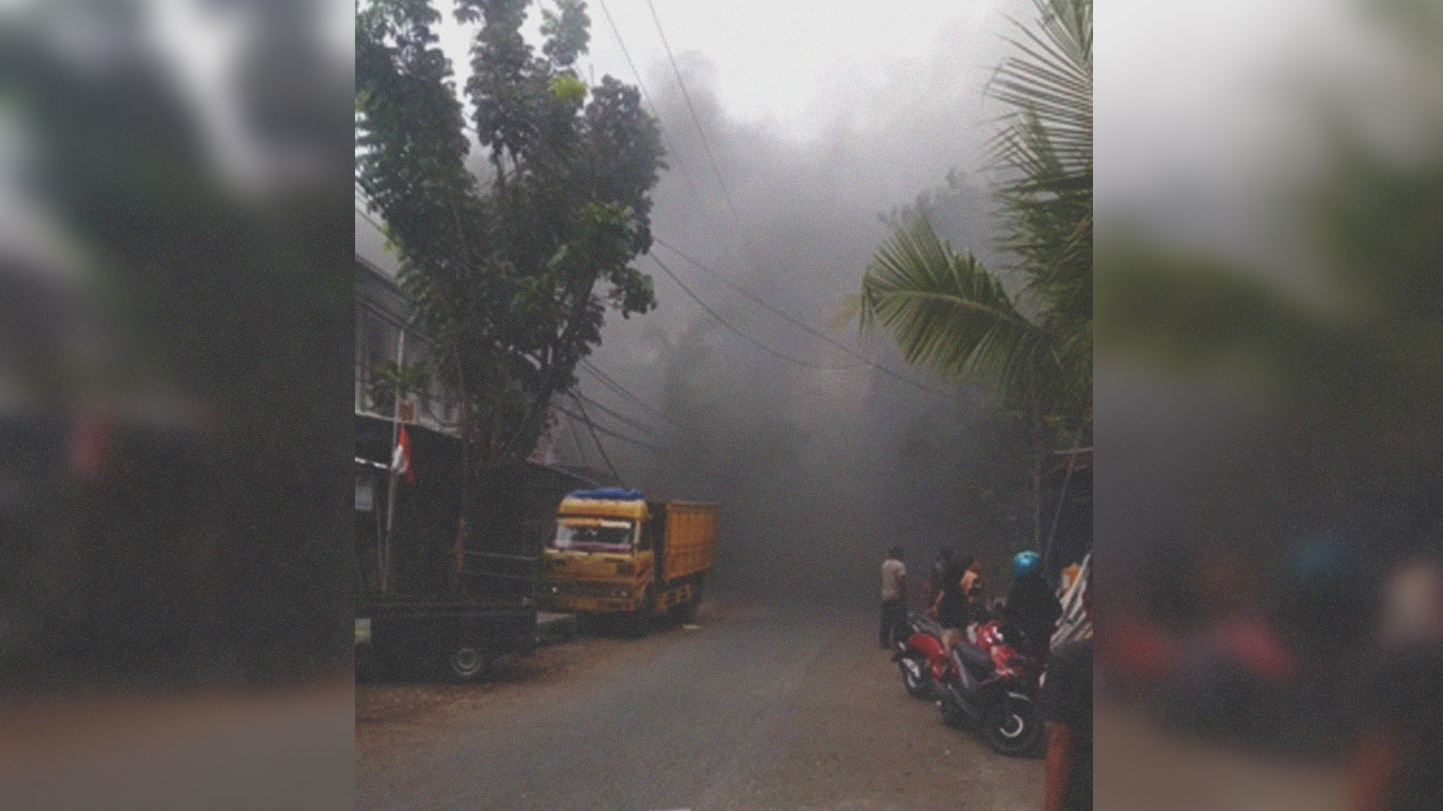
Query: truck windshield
{"points": [[594, 535]]}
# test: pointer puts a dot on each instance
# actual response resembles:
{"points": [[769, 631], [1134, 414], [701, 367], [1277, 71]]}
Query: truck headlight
{"points": [[621, 593]]}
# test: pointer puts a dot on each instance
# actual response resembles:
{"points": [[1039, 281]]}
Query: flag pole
{"points": [[395, 439]]}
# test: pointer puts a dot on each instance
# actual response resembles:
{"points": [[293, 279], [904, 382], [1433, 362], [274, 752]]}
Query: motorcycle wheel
{"points": [[915, 676], [1013, 727]]}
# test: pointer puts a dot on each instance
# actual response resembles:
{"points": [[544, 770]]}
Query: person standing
{"points": [[1067, 709], [1400, 756], [950, 607], [1032, 606], [940, 566], [894, 598], [972, 586]]}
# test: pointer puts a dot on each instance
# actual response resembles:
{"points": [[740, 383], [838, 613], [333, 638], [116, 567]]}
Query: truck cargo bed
{"points": [[690, 533]]}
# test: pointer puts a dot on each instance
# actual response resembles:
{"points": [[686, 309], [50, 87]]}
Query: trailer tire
{"points": [[468, 662], [690, 607]]}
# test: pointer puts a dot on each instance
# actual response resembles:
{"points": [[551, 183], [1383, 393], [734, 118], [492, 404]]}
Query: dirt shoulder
{"points": [[394, 714]]}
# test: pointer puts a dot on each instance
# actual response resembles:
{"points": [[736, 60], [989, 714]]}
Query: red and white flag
{"points": [[401, 458]]}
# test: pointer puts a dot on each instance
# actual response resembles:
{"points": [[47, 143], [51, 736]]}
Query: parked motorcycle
{"points": [[984, 683], [920, 657]]}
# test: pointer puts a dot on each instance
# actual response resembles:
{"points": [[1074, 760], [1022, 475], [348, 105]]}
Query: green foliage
{"points": [[504, 270], [948, 312], [388, 379], [951, 314], [567, 33]]}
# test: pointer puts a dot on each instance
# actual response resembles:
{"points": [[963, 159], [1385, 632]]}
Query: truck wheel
{"points": [[467, 662], [642, 618]]}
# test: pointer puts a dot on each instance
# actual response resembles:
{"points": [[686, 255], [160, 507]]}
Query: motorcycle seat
{"points": [[974, 659]]}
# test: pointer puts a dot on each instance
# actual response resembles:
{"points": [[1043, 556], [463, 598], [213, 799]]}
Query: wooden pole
{"points": [[1062, 498]]}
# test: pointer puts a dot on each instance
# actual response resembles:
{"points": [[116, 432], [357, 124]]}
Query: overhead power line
{"points": [[611, 384], [711, 156], [603, 429], [597, 440], [696, 119], [655, 111], [783, 314], [749, 339], [619, 417]]}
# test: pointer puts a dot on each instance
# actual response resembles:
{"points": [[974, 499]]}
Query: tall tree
{"points": [[504, 269], [947, 311]]}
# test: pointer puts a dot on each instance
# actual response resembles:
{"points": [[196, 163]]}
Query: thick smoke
{"points": [[818, 470]]}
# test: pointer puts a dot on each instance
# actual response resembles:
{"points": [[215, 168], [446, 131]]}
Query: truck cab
{"points": [[601, 557], [613, 552]]}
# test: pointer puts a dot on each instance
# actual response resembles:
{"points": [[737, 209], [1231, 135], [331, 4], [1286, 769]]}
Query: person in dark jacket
{"points": [[1067, 707], [950, 607], [940, 566], [1032, 606]]}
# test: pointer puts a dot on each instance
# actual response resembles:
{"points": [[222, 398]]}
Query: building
{"points": [[383, 340], [418, 538]]}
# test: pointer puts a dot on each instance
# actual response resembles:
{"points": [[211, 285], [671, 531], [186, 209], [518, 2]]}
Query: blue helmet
{"points": [[1026, 563]]}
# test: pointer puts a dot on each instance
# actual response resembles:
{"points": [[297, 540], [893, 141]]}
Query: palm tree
{"points": [[948, 312]]}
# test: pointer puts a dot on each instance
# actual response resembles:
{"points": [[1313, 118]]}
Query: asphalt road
{"points": [[758, 708]]}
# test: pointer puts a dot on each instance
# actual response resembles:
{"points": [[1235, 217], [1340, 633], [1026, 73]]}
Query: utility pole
{"points": [[391, 489]]}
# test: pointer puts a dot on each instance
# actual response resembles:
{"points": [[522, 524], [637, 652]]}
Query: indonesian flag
{"points": [[401, 459]]}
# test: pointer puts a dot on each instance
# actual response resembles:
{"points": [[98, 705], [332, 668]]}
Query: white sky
{"points": [[776, 62]]}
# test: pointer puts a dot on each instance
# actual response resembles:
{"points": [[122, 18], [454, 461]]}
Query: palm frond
{"points": [[1050, 82], [946, 311]]}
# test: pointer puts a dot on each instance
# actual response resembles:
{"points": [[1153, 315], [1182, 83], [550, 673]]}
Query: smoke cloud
{"points": [[821, 461]]}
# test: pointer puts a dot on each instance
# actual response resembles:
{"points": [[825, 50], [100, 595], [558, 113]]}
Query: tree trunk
{"points": [[1037, 498]]}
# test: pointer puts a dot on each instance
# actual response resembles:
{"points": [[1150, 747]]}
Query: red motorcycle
{"points": [[983, 683]]}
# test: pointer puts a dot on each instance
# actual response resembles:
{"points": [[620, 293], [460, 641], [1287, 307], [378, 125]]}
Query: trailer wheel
{"points": [[467, 662], [689, 608]]}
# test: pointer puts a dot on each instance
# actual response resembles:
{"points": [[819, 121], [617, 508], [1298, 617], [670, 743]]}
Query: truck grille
{"points": [[594, 590]]}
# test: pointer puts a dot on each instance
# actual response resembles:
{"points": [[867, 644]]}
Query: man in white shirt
{"points": [[894, 599]]}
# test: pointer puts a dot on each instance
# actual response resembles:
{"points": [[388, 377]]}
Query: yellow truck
{"points": [[616, 553]]}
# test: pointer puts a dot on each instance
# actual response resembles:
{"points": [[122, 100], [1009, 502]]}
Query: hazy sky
{"points": [[804, 72], [783, 62]]}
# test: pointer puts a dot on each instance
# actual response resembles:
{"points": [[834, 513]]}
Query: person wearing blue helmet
{"points": [[1032, 608]]}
